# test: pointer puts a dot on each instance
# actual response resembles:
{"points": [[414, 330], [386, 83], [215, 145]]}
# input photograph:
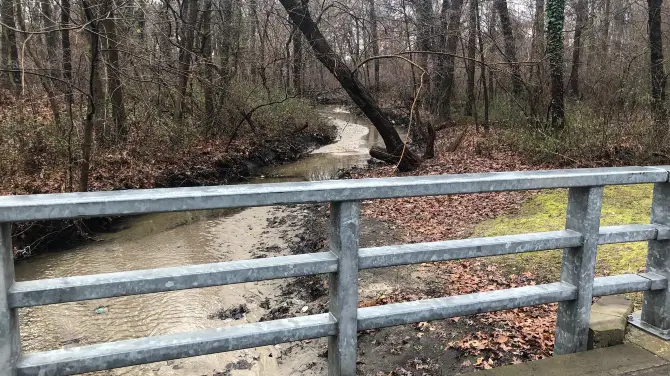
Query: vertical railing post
{"points": [[343, 285], [9, 320], [578, 269], [656, 304]]}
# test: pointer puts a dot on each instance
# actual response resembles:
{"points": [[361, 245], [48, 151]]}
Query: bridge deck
{"points": [[627, 359]]}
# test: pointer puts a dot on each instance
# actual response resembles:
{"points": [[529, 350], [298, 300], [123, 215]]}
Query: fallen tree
{"points": [[396, 150]]}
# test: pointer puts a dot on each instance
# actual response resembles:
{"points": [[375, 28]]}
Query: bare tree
{"points": [[555, 20], [190, 9], [208, 68], [472, 36], [374, 36], [9, 36], [395, 147], [445, 89], [581, 10], [510, 44], [50, 36], [297, 61], [113, 68], [93, 94], [658, 77]]}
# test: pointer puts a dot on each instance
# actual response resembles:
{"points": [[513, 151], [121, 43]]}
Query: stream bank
{"points": [[188, 238], [214, 163]]}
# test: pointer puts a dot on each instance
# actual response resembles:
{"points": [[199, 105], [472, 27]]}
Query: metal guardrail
{"points": [[574, 292]]}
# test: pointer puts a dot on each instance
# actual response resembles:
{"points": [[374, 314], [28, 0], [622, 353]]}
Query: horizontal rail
{"points": [[632, 233], [90, 204], [160, 348], [87, 287], [97, 286], [174, 346], [461, 305], [466, 248], [625, 283]]}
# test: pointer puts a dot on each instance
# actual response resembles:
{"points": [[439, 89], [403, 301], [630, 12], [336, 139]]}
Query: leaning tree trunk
{"points": [[555, 19], [510, 44], [658, 77], [395, 147]]}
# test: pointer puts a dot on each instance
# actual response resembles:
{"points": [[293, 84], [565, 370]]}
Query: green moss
{"points": [[546, 212]]}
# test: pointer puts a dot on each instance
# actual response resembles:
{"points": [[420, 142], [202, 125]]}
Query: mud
{"points": [[409, 350], [233, 313]]}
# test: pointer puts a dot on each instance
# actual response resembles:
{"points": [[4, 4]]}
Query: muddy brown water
{"points": [[174, 239]]}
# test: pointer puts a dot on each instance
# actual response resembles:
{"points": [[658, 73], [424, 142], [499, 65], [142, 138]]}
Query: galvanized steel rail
{"points": [[573, 292]]}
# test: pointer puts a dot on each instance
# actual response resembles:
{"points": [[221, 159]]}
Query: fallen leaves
{"points": [[447, 217], [523, 333], [490, 338]]}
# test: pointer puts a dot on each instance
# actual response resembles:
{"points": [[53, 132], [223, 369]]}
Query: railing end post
{"points": [[655, 316], [10, 345]]}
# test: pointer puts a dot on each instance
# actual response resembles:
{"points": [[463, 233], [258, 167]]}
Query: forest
{"points": [[127, 94], [99, 94]]}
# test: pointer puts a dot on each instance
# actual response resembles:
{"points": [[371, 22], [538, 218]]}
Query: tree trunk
{"points": [[297, 61], [470, 63], [658, 77], [67, 88], [113, 68], [446, 83], [510, 45], [185, 55], [581, 9], [140, 15], [538, 32], [11, 48], [300, 16], [50, 36], [492, 49], [424, 14], [537, 75], [555, 20], [605, 38], [208, 75], [227, 43], [617, 30], [89, 123], [374, 35], [482, 67]]}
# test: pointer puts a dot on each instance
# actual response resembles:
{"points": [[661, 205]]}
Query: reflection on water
{"points": [[174, 239]]}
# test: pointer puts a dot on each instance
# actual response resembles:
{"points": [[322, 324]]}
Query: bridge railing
{"points": [[574, 291]]}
